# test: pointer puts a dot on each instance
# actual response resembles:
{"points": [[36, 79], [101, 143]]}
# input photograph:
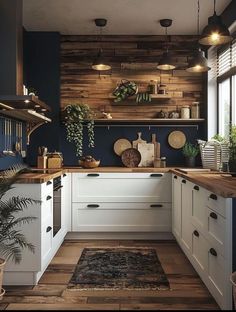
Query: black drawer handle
{"points": [[93, 206], [48, 197], [49, 228], [49, 182], [196, 233], [213, 196], [196, 187], [156, 175], [213, 252], [184, 181], [213, 215], [64, 175], [175, 177], [92, 175], [156, 206]]}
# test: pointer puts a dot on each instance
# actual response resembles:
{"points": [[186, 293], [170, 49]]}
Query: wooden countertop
{"points": [[220, 183], [217, 182]]}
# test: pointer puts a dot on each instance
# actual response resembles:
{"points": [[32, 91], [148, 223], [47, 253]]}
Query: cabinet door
{"points": [[200, 252], [199, 197], [176, 206], [186, 195], [66, 201], [47, 236]]}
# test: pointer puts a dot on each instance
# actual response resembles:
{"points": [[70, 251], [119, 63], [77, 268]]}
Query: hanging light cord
{"points": [[167, 49], [198, 17], [215, 6]]}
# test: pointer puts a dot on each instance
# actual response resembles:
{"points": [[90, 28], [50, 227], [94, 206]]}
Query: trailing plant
{"points": [[76, 115], [190, 150], [12, 240]]}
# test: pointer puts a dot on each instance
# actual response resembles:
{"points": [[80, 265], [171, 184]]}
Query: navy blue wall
{"points": [[42, 71]]}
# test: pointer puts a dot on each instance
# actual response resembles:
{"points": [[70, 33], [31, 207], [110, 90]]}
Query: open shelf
{"points": [[27, 115], [23, 102], [153, 96], [150, 120]]}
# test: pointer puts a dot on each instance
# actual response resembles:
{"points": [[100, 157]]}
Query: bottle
{"points": [[163, 162], [185, 112], [195, 110], [152, 87]]}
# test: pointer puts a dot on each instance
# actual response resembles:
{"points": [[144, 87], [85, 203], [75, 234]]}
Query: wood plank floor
{"points": [[187, 290]]}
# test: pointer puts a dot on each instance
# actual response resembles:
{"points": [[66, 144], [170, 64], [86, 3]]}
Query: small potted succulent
{"points": [[190, 151]]}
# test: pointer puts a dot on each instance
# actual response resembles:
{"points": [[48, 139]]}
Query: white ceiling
{"points": [[127, 17]]}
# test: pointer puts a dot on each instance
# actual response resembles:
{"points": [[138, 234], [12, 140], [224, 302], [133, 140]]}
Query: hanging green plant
{"points": [[76, 115]]}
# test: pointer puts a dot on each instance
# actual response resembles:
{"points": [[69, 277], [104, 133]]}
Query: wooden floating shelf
{"points": [[153, 96], [27, 115], [23, 102], [150, 120]]}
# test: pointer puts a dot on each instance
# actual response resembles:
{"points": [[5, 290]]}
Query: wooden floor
{"points": [[187, 290]]}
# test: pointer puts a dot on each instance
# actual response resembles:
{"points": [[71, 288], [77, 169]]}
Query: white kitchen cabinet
{"points": [[205, 235], [121, 202], [66, 201]]}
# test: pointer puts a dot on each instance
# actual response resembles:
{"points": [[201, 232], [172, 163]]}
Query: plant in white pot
{"points": [[12, 240], [190, 151]]}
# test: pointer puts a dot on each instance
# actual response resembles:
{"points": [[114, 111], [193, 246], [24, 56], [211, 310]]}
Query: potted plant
{"points": [[190, 152], [124, 90], [76, 115], [12, 241], [232, 149]]}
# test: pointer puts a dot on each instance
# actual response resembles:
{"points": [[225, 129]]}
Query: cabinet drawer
{"points": [[122, 206], [46, 189], [217, 203], [47, 208], [200, 251], [216, 230], [119, 187], [120, 220], [47, 237], [199, 196]]}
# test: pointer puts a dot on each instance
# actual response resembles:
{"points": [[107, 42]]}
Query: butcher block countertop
{"points": [[220, 183], [217, 182]]}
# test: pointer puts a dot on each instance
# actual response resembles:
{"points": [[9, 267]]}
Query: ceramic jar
{"points": [[185, 112], [195, 110]]}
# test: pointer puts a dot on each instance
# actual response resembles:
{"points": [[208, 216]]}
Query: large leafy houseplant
{"points": [[76, 115], [232, 149]]}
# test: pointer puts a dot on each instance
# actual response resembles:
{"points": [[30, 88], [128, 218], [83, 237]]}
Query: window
{"points": [[226, 80]]}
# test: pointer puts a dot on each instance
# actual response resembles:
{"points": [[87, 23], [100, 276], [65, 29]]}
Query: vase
{"points": [[190, 161]]}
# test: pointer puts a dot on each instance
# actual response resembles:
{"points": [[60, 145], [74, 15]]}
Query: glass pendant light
{"points": [[100, 63], [165, 62], [199, 63], [215, 33]]}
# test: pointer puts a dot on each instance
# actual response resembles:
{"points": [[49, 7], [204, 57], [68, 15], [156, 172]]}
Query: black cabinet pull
{"points": [[196, 233], [213, 215], [93, 206], [64, 175], [49, 228], [57, 188], [156, 206], [156, 175], [213, 252], [196, 187], [175, 177], [92, 175], [49, 182], [48, 197], [213, 196], [184, 181]]}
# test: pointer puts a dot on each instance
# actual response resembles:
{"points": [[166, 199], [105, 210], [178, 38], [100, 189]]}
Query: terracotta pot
{"points": [[2, 264]]}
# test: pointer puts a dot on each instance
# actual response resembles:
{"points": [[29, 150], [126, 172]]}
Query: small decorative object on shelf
{"points": [[174, 115], [124, 90], [89, 162], [195, 110], [76, 115], [152, 87], [190, 151], [163, 162], [143, 97], [107, 115], [162, 114], [32, 91], [162, 89], [185, 112]]}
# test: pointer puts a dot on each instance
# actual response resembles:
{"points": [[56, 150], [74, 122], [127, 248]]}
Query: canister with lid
{"points": [[185, 112], [195, 110]]}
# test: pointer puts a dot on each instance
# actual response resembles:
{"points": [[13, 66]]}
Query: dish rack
{"points": [[213, 154]]}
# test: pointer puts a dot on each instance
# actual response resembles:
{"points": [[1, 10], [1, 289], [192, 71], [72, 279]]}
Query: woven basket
{"points": [[2, 264], [213, 154]]}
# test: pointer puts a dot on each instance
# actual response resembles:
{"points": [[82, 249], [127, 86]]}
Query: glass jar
{"points": [[152, 87], [195, 110], [162, 89], [163, 162], [185, 112]]}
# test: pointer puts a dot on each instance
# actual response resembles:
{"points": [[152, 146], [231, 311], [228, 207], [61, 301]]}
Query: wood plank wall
{"points": [[134, 58]]}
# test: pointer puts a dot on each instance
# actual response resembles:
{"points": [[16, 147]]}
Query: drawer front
{"points": [[120, 220], [200, 251], [121, 187], [198, 216], [216, 230], [122, 206], [46, 188], [47, 208], [217, 203]]}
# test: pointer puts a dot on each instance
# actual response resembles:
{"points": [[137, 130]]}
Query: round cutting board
{"points": [[121, 145], [176, 139], [131, 157]]}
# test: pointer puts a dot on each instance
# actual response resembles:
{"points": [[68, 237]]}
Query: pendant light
{"points": [[199, 63], [165, 62], [100, 63], [215, 33]]}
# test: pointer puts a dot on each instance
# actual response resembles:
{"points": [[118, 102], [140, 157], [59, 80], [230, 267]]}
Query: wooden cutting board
{"points": [[147, 154], [139, 140], [157, 146]]}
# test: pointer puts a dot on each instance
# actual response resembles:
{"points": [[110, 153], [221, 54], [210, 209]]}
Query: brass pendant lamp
{"points": [[100, 63], [199, 63], [165, 62], [216, 32]]}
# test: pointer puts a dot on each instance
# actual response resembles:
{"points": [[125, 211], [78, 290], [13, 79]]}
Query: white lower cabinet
{"points": [[121, 202], [205, 235]]}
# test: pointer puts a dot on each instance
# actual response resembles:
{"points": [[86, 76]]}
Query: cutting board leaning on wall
{"points": [[147, 154]]}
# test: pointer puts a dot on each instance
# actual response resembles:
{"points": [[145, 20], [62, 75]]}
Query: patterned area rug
{"points": [[119, 269]]}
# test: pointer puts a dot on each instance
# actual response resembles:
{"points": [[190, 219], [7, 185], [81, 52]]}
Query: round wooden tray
{"points": [[176, 139], [131, 157], [121, 145]]}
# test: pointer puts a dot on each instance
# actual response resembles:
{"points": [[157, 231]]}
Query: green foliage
{"points": [[219, 138], [232, 143], [76, 115], [190, 150], [12, 241], [124, 90]]}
